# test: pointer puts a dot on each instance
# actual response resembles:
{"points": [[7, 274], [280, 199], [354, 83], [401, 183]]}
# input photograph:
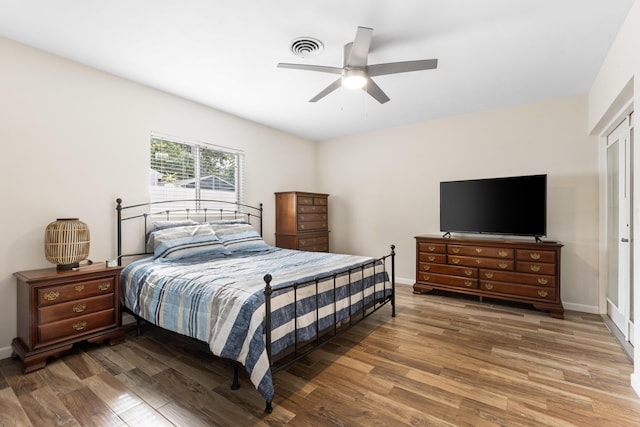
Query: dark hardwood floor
{"points": [[445, 361]]}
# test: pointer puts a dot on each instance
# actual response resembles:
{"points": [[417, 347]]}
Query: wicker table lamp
{"points": [[66, 242]]}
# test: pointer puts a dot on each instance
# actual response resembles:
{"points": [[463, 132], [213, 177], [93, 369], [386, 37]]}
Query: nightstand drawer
{"points": [[76, 326], [73, 291], [66, 310]]}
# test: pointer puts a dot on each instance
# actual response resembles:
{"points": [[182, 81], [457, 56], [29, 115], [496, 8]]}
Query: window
{"points": [[182, 169]]}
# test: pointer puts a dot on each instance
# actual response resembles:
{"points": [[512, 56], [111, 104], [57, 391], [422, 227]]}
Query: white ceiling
{"points": [[492, 53]]}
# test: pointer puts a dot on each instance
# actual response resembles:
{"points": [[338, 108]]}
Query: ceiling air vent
{"points": [[306, 47]]}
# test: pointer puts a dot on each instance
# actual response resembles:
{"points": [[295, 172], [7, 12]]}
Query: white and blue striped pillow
{"points": [[240, 237], [187, 241]]}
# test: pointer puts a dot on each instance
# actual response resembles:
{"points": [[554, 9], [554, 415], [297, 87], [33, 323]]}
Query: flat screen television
{"points": [[510, 206]]}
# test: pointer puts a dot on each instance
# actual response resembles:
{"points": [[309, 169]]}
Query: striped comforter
{"points": [[221, 300]]}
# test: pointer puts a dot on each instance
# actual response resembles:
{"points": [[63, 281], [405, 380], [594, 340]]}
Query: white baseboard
{"points": [[5, 352], [593, 309], [403, 281], [635, 383]]}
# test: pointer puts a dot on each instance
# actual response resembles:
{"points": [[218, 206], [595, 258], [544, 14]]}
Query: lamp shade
{"points": [[66, 242]]}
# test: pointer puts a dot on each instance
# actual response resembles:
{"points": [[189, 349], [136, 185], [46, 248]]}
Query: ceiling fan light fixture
{"points": [[354, 79]]}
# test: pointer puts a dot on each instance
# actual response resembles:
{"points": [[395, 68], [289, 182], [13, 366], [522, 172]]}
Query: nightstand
{"points": [[58, 308]]}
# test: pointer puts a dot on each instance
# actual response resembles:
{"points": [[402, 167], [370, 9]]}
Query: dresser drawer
{"points": [[76, 326], [436, 258], [529, 279], [537, 292], [481, 251], [314, 244], [498, 264], [304, 209], [536, 256], [312, 225], [448, 269], [66, 310], [436, 248], [317, 217], [72, 291], [536, 267], [444, 279]]}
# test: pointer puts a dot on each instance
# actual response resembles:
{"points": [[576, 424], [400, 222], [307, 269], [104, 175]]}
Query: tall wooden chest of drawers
{"points": [[526, 272], [58, 308], [302, 221]]}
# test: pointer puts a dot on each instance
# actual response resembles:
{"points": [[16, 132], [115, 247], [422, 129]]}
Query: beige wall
{"points": [[74, 139], [384, 185]]}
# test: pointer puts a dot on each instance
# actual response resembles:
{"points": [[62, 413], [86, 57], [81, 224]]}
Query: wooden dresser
{"points": [[302, 221], [58, 308], [527, 272]]}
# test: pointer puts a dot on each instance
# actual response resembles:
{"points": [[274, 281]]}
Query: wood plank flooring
{"points": [[443, 361]]}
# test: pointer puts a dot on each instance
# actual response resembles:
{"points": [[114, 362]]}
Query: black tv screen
{"points": [[512, 206]]}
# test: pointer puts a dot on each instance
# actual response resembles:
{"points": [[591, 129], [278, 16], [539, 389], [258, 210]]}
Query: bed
{"points": [[201, 269]]}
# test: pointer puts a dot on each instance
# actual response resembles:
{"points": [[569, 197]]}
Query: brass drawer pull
{"points": [[489, 286], [535, 268], [502, 253], [455, 260], [535, 255], [479, 250], [426, 277], [478, 261], [431, 258], [468, 283], [427, 267], [455, 250], [51, 296], [301, 226], [542, 293], [503, 265], [79, 308], [79, 326], [488, 275], [431, 248], [104, 286], [542, 281], [79, 288], [468, 272]]}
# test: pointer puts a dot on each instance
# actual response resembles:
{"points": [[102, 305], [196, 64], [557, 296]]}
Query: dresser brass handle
{"points": [[478, 261], [488, 275], [79, 326], [489, 286], [503, 253], [542, 293], [79, 308], [431, 257], [468, 283], [431, 248], [79, 288], [51, 296], [104, 286], [426, 277], [503, 265], [455, 260], [535, 255], [427, 267], [535, 267], [542, 281], [455, 250], [468, 272], [301, 226], [479, 250]]}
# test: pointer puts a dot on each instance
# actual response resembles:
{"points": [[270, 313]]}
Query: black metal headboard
{"points": [[200, 210]]}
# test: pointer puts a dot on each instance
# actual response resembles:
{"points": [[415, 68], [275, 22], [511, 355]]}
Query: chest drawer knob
{"points": [[79, 326], [488, 275], [489, 286], [431, 248], [51, 296], [503, 265], [502, 254], [468, 272], [431, 258], [79, 308], [478, 261], [542, 281], [455, 260], [79, 288], [104, 286], [426, 277], [479, 250], [427, 267], [455, 250], [535, 268], [535, 255], [542, 293], [468, 283]]}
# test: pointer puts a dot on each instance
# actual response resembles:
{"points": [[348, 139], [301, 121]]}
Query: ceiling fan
{"points": [[356, 74]]}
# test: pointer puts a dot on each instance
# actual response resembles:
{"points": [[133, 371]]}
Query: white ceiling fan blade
{"points": [[374, 90], [326, 91], [307, 67], [401, 67], [360, 48]]}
